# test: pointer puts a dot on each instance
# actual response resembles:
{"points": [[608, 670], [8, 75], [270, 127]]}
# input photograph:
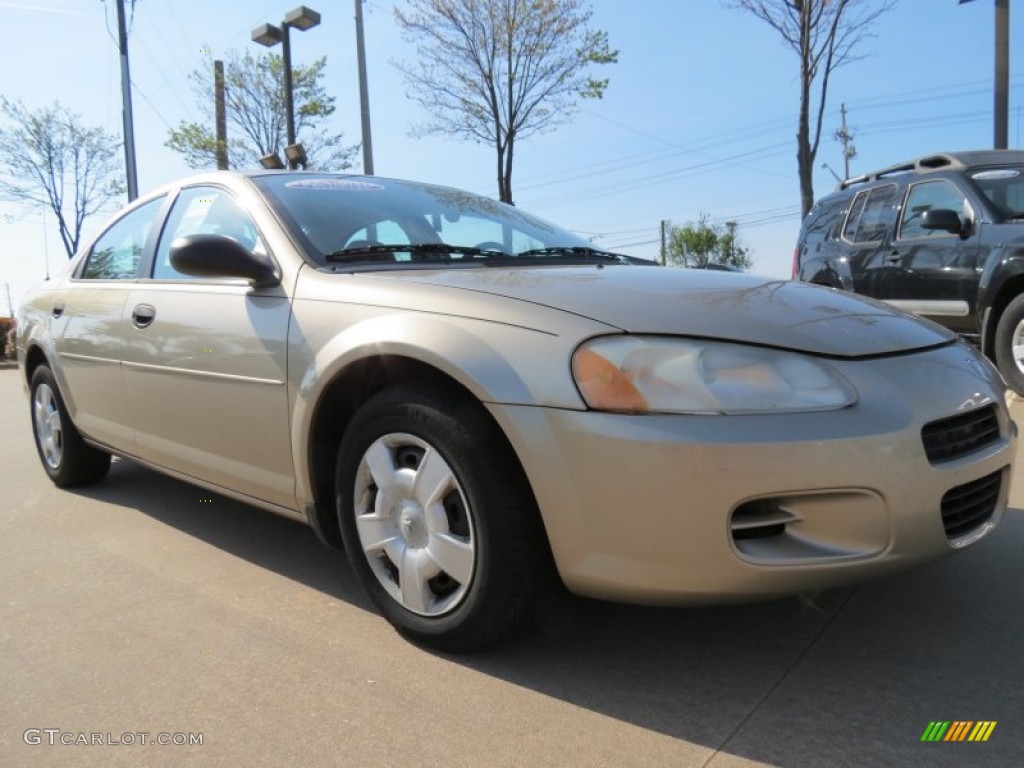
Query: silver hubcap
{"points": [[1017, 346], [49, 432], [414, 524]]}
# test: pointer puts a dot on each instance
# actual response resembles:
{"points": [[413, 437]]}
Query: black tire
{"points": [[65, 456], [1011, 323], [481, 500]]}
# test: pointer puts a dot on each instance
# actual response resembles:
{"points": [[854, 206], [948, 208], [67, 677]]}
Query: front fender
{"points": [[495, 362]]}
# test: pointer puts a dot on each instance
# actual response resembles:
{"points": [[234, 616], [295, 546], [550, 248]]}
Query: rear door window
{"points": [[118, 251], [871, 214]]}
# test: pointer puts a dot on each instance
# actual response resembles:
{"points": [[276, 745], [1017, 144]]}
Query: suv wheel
{"points": [[1010, 345]]}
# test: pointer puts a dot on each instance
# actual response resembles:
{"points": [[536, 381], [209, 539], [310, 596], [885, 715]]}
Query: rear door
{"points": [[868, 230], [206, 360], [88, 331]]}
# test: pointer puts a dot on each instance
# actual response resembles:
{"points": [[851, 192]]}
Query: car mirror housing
{"points": [[221, 256], [944, 219]]}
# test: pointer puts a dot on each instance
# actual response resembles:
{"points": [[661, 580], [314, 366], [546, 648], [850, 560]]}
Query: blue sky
{"points": [[700, 114]]}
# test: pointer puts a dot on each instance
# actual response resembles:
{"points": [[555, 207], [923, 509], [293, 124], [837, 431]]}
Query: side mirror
{"points": [[221, 256], [944, 219]]}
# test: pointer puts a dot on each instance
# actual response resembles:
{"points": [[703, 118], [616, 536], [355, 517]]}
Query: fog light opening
{"points": [[759, 519]]}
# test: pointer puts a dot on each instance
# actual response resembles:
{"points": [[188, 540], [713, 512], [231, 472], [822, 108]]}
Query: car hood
{"points": [[708, 304]]}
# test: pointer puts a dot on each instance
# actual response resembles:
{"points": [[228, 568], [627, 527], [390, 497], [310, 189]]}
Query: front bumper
{"points": [[648, 508]]}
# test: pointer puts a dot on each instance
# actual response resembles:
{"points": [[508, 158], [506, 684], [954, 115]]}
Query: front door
{"points": [[205, 362], [938, 268]]}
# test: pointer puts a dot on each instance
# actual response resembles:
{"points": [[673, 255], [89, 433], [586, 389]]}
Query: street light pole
{"points": [[289, 93], [301, 18]]}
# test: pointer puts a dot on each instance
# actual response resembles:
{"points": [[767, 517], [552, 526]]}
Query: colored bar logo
{"points": [[958, 730]]}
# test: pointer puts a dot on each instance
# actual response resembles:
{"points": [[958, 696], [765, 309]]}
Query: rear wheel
{"points": [[66, 457], [1009, 347], [437, 519]]}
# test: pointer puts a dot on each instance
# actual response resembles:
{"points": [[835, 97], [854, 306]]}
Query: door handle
{"points": [[893, 257], [143, 315], [58, 308]]}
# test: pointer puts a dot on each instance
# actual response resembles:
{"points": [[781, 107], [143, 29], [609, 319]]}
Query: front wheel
{"points": [[66, 457], [1009, 347], [437, 519]]}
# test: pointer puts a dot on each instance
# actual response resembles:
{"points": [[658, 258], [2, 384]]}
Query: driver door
{"points": [[205, 362]]}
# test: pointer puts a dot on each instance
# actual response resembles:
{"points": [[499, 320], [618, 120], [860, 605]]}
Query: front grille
{"points": [[967, 506], [949, 439]]}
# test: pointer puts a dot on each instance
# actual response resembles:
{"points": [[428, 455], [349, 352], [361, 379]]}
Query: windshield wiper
{"points": [[577, 250], [435, 252], [443, 252]]}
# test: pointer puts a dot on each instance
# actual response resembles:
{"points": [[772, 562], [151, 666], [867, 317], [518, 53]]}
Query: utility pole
{"points": [[10, 304], [222, 120], [730, 246], [126, 110], [1002, 92], [1001, 105], [844, 135], [664, 227], [364, 96]]}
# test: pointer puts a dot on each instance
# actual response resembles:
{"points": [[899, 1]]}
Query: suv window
{"points": [[824, 221], [203, 211], [927, 196], [116, 254], [870, 214], [1004, 187]]}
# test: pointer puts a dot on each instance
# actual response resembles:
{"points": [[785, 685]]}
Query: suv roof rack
{"points": [[941, 160], [952, 161]]}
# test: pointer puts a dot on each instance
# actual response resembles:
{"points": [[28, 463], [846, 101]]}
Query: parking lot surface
{"points": [[147, 606]]}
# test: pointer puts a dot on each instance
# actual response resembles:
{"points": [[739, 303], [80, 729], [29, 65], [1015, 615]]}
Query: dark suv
{"points": [[942, 236]]}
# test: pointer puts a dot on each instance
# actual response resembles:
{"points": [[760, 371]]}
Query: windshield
{"points": [[1004, 187], [382, 222]]}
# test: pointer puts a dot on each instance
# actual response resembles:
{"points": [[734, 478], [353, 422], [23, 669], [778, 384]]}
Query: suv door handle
{"points": [[143, 315], [58, 308], [893, 257]]}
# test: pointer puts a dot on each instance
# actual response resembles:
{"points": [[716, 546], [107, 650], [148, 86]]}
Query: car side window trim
{"points": [[876, 201], [147, 248], [150, 268], [964, 209]]}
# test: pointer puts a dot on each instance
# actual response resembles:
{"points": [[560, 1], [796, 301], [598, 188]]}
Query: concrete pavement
{"points": [[144, 605]]}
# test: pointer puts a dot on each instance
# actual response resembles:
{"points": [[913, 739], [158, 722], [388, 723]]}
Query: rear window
{"points": [[824, 221]]}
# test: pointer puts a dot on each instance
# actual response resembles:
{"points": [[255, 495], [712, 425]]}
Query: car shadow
{"points": [[794, 681]]}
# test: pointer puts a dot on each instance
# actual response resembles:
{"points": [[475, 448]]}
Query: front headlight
{"points": [[637, 374]]}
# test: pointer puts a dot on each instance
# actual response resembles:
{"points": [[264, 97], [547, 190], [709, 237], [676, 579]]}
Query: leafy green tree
{"points": [[699, 243], [824, 34], [498, 71], [255, 106], [50, 159]]}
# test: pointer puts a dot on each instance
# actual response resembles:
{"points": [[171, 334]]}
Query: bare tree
{"points": [[49, 158], [256, 109], [497, 71], [824, 35]]}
